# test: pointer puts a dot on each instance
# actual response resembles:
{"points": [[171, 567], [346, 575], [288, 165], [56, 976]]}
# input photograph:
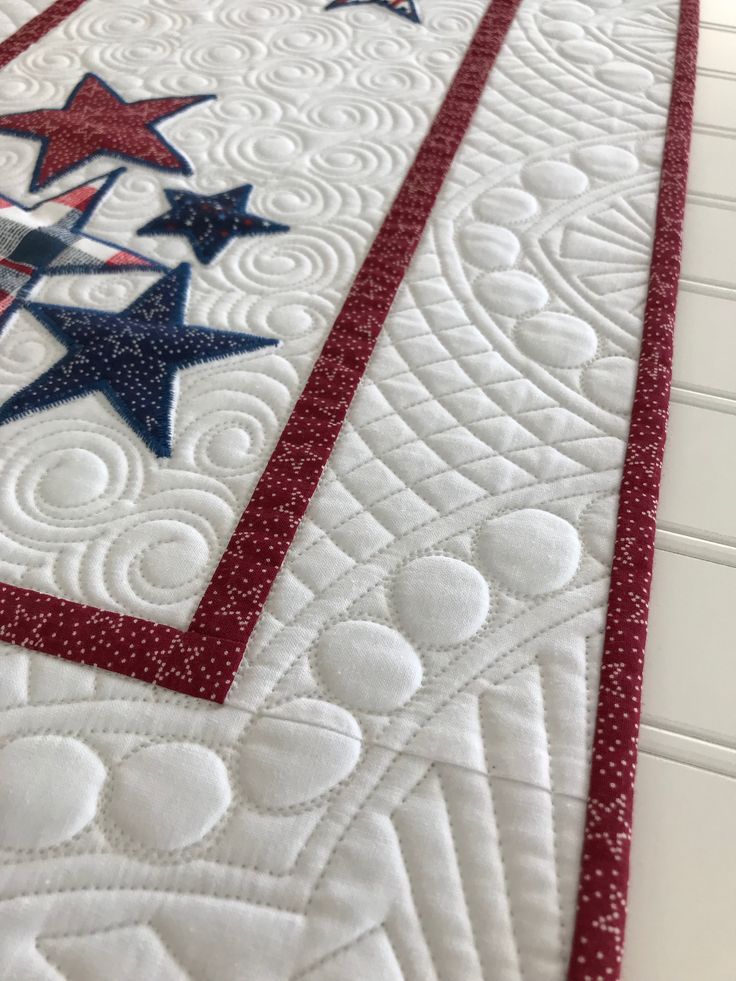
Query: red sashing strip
{"points": [[202, 661], [598, 941], [234, 599], [34, 29], [183, 661]]}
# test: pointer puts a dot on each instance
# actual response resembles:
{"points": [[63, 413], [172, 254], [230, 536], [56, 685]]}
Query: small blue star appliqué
{"points": [[210, 222], [405, 8], [131, 357]]}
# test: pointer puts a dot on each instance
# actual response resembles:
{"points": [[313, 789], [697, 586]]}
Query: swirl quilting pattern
{"points": [[396, 786], [323, 114]]}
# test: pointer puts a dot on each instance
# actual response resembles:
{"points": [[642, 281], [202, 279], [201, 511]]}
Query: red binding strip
{"points": [[234, 599], [34, 29], [203, 660], [185, 662], [598, 940]]}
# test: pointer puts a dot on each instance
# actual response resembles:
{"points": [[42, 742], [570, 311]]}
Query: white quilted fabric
{"points": [[322, 113], [395, 789], [15, 13]]}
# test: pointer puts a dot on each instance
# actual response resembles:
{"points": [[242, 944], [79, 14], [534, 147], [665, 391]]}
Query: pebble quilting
{"points": [[322, 625]]}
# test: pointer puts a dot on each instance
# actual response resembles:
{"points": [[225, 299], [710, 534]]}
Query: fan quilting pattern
{"points": [[396, 786]]}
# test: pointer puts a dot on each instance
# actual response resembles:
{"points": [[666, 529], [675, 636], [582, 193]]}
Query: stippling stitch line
{"points": [[305, 972], [469, 911], [148, 890], [69, 934], [473, 386], [526, 488], [416, 906], [404, 752], [407, 555], [228, 754], [499, 839], [553, 814]]}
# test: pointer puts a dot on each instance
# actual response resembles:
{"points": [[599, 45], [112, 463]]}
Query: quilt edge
{"points": [[598, 935]]}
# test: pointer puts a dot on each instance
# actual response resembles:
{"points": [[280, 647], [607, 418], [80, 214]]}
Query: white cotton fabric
{"points": [[396, 787]]}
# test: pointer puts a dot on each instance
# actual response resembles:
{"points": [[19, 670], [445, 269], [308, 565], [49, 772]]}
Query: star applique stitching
{"points": [[48, 240], [405, 8], [96, 121], [210, 222], [131, 357]]}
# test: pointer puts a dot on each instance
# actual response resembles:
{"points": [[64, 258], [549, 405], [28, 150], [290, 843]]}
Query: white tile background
{"points": [[682, 911]]}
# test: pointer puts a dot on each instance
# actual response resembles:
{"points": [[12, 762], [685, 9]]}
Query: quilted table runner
{"points": [[335, 346]]}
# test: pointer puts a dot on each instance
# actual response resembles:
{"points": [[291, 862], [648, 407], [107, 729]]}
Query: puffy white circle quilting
{"points": [[489, 246], [561, 30], [530, 551], [298, 753], [76, 479], [557, 339], [170, 795], [625, 76], [585, 52], [608, 163], [229, 449], [506, 205], [65, 485], [568, 10], [441, 601], [369, 666], [158, 554], [511, 293], [610, 382], [169, 565], [23, 353], [49, 787], [554, 179]]}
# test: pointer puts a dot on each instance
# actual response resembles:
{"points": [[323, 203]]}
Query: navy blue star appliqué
{"points": [[405, 8], [131, 357], [210, 222]]}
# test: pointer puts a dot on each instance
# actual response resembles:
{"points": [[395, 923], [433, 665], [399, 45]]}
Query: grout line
{"points": [[713, 201], [704, 72], [725, 774], [710, 129], [679, 730], [719, 393], [699, 535], [709, 199], [708, 289], [691, 548], [695, 548], [700, 399], [711, 25], [718, 284]]}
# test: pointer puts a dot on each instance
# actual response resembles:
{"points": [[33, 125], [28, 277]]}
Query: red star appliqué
{"points": [[93, 121]]}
